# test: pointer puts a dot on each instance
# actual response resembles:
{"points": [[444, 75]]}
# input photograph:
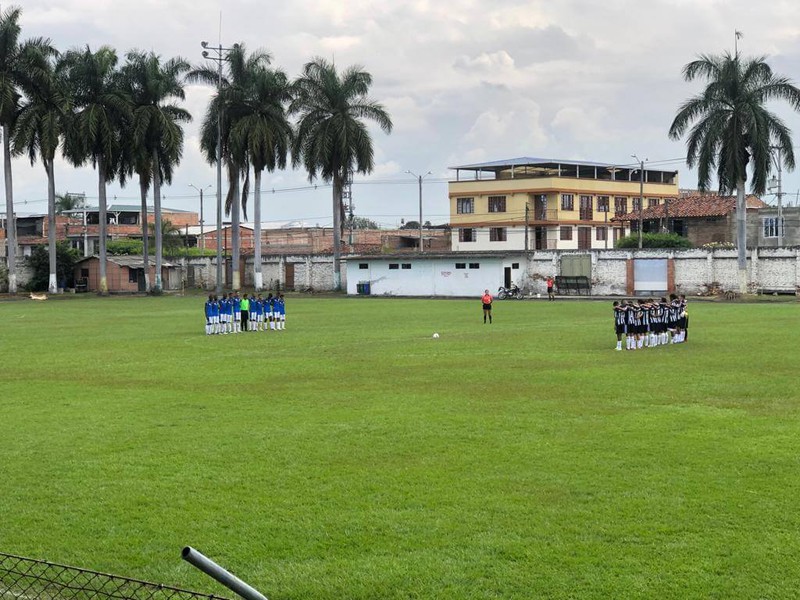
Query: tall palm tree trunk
{"points": [[145, 235], [235, 236], [338, 182], [11, 222], [258, 281], [157, 210], [103, 224], [52, 285], [741, 235]]}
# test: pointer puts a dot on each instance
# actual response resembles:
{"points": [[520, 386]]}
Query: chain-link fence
{"points": [[29, 579]]}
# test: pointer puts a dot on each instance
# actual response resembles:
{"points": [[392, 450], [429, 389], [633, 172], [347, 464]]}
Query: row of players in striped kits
{"points": [[231, 314], [650, 323]]}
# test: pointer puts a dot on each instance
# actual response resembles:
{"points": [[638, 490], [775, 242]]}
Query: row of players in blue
{"points": [[232, 314]]}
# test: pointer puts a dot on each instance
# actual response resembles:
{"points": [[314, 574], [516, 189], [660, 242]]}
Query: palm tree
{"points": [[38, 133], [733, 129], [157, 133], [224, 110], [22, 66], [94, 131], [65, 202], [331, 137], [262, 135]]}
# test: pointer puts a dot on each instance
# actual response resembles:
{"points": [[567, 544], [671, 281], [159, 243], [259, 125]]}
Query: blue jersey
{"points": [[237, 304], [223, 306], [279, 306], [259, 304], [209, 309], [215, 309]]}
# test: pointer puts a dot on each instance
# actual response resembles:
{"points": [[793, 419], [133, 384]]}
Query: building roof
{"points": [[693, 207], [137, 208], [526, 161], [134, 260]]}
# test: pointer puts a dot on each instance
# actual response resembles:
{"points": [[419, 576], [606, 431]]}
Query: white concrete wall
{"points": [[431, 276], [695, 272]]}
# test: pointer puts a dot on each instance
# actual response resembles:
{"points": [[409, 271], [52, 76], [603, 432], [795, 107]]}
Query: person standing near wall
{"points": [[550, 282], [486, 300], [244, 305]]}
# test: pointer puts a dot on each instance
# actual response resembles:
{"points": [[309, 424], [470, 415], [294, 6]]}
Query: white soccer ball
{"points": [[436, 336]]}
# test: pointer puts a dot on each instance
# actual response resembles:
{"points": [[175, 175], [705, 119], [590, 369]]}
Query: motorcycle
{"points": [[509, 292]]}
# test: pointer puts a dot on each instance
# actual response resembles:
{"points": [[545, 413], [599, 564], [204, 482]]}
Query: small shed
{"points": [[123, 273]]}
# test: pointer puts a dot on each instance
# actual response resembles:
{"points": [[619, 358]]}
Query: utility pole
{"points": [[778, 183], [202, 235], [419, 180], [641, 194], [221, 56], [527, 210]]}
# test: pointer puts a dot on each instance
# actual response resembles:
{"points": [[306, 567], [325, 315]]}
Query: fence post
{"points": [[212, 569]]}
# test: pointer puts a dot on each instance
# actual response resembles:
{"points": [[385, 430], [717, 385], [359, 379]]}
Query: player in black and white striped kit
{"points": [[619, 323]]}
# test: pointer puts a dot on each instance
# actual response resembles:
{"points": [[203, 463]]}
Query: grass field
{"points": [[352, 456]]}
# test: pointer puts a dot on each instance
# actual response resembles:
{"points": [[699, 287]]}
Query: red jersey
{"points": [[486, 299]]}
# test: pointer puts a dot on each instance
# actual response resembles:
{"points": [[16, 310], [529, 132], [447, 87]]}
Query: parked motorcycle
{"points": [[509, 292]]}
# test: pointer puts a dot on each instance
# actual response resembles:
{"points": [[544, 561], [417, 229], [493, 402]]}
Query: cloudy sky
{"points": [[463, 80]]}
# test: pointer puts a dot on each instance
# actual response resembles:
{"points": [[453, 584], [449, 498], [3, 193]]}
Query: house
{"points": [[547, 204], [299, 238], [124, 221], [123, 274], [702, 219], [768, 229]]}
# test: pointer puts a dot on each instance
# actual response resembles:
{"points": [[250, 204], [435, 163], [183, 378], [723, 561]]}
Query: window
{"points": [[466, 234], [84, 272], [651, 202], [406, 265], [363, 266], [465, 206], [566, 233], [773, 228], [132, 275], [620, 205], [602, 234], [474, 265], [515, 265], [602, 204], [497, 204], [637, 203], [567, 201], [461, 265], [497, 234], [393, 266]]}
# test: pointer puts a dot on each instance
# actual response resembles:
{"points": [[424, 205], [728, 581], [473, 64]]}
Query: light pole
{"points": [[202, 237], [419, 179], [219, 59], [641, 193]]}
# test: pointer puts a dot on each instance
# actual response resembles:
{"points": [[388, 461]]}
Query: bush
{"points": [[39, 261], [124, 247], [654, 240]]}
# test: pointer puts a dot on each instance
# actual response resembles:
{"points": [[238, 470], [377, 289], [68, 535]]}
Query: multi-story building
{"points": [[547, 204]]}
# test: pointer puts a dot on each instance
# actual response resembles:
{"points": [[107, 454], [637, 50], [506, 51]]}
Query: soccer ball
{"points": [[436, 336]]}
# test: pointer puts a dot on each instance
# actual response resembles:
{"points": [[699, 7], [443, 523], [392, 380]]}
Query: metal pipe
{"points": [[213, 570]]}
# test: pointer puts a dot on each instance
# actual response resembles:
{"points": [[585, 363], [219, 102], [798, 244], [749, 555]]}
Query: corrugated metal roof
{"points": [[135, 261], [529, 161]]}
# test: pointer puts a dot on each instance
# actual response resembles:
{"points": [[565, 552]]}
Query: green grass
{"points": [[352, 456]]}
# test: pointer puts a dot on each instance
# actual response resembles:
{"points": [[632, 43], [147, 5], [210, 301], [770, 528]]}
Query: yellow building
{"points": [[545, 204]]}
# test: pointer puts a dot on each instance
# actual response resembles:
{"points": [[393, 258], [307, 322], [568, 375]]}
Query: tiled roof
{"points": [[694, 206]]}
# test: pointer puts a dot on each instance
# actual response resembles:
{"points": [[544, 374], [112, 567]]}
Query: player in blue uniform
{"points": [[237, 313], [209, 313], [279, 307], [259, 304]]}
